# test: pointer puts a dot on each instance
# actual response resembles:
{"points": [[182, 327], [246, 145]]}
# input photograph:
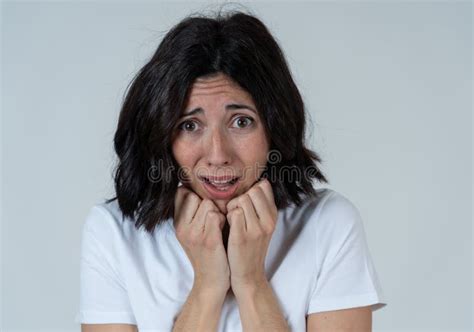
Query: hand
{"points": [[198, 225], [252, 217]]}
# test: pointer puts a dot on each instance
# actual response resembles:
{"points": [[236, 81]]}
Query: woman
{"points": [[244, 242]]}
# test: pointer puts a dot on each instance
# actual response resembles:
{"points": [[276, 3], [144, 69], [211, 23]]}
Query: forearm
{"points": [[259, 308], [200, 312]]}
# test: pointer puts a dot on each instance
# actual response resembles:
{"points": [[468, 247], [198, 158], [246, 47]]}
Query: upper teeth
{"points": [[220, 182]]}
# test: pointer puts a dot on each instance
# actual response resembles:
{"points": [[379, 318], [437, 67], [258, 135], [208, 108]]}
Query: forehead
{"points": [[217, 85]]}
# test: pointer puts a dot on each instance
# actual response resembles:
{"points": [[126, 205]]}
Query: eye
{"points": [[188, 125], [243, 121]]}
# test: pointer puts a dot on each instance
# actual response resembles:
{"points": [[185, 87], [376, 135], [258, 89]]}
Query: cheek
{"points": [[257, 149], [183, 153], [254, 153]]}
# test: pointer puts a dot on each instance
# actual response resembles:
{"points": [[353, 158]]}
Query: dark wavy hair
{"points": [[240, 46]]}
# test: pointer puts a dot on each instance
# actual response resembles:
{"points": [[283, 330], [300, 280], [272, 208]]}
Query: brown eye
{"points": [[243, 121], [187, 126]]}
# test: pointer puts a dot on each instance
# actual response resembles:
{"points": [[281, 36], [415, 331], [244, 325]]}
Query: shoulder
{"points": [[328, 212], [328, 202], [106, 223], [338, 228], [339, 210], [103, 216]]}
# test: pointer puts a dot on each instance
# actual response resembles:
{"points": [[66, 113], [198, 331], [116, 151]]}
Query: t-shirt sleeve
{"points": [[103, 295], [346, 277]]}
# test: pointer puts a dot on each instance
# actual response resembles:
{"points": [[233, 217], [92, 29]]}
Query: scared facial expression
{"points": [[220, 141]]}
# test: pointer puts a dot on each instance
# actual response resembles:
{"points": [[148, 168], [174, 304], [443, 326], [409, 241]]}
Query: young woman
{"points": [[216, 224]]}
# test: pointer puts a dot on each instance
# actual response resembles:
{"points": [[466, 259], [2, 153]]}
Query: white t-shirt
{"points": [[317, 260]]}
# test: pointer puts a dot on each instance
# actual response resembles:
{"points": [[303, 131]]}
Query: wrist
{"points": [[206, 291], [248, 287]]}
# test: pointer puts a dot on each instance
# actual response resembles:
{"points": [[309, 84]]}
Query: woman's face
{"points": [[219, 138]]}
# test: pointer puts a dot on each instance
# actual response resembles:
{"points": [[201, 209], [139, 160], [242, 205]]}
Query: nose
{"points": [[218, 147]]}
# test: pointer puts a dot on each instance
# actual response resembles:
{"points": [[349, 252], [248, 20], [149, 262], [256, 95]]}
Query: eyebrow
{"points": [[228, 107]]}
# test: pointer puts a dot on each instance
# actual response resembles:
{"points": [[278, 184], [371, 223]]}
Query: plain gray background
{"points": [[388, 86]]}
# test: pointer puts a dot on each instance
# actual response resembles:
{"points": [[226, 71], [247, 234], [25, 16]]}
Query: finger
{"points": [[267, 190], [264, 184], [180, 197], [199, 219], [232, 204], [236, 219], [181, 193], [214, 222], [189, 208], [251, 220], [261, 207]]}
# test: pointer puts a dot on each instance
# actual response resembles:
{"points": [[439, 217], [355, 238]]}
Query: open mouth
{"points": [[221, 183], [220, 189]]}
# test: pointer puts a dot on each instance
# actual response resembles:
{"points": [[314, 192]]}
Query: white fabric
{"points": [[318, 260]]}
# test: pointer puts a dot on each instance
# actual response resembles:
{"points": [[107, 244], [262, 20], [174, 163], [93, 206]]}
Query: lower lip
{"points": [[220, 194]]}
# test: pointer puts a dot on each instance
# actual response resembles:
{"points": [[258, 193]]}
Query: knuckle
{"points": [[243, 198], [265, 184], [192, 197], [254, 191], [266, 187], [194, 239], [213, 216], [258, 234], [231, 203], [234, 213], [268, 229], [207, 203], [183, 235]]}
